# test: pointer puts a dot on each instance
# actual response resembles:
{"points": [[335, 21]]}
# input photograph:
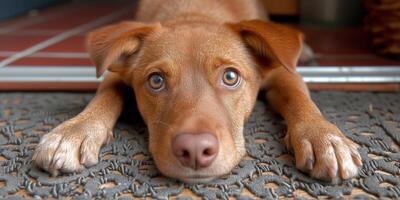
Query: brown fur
{"points": [[192, 43]]}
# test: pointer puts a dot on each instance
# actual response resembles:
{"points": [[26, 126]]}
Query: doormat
{"points": [[126, 170]]}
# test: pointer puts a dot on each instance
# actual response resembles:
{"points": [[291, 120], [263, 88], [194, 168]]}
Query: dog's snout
{"points": [[195, 150]]}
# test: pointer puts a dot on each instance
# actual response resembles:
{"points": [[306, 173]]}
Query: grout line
{"points": [[63, 36], [46, 54]]}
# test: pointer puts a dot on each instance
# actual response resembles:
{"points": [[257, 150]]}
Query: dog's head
{"points": [[195, 85]]}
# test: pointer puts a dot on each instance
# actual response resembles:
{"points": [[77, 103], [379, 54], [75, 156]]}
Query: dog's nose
{"points": [[195, 150]]}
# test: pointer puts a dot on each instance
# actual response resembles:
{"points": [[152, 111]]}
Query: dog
{"points": [[196, 68]]}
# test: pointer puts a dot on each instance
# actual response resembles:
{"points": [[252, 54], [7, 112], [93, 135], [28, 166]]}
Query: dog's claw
{"points": [[309, 164], [332, 173], [357, 159], [54, 172], [58, 164], [83, 159]]}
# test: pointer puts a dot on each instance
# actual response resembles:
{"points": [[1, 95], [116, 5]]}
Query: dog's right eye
{"points": [[231, 78], [156, 82]]}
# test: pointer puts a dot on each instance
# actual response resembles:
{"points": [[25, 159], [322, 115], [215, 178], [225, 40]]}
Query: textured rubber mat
{"points": [[126, 169]]}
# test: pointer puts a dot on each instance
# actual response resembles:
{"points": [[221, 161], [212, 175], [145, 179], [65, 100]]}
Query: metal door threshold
{"points": [[310, 74]]}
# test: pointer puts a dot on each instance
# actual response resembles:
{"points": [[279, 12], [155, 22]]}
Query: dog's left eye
{"points": [[231, 78], [156, 82]]}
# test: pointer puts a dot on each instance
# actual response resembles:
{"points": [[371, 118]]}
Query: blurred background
{"points": [[356, 42]]}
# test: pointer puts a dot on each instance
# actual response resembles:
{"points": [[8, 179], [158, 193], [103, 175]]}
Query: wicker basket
{"points": [[383, 24]]}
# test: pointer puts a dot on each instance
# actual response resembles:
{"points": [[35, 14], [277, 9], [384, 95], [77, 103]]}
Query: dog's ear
{"points": [[110, 47], [278, 44]]}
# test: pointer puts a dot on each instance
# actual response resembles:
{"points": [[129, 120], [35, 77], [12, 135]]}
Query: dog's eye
{"points": [[231, 78], [156, 82]]}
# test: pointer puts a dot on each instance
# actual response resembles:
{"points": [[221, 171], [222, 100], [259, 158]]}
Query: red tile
{"points": [[65, 23], [2, 58], [18, 43], [72, 44], [52, 62], [76, 17], [30, 33], [42, 15], [337, 41], [391, 87], [125, 17], [373, 61]]}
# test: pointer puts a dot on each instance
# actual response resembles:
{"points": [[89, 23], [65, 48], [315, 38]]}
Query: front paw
{"points": [[71, 146], [322, 150]]}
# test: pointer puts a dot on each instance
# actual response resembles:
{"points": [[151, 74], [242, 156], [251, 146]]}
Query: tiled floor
{"points": [[54, 37], [18, 35], [343, 47]]}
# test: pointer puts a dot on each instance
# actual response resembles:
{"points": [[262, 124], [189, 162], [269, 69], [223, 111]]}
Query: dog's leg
{"points": [[76, 143], [319, 146]]}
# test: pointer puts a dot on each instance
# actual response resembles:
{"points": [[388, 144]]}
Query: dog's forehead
{"points": [[198, 39]]}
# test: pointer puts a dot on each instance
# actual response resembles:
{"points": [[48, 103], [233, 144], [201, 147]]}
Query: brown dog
{"points": [[196, 68]]}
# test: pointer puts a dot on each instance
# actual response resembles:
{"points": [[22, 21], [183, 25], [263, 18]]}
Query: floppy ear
{"points": [[270, 41], [110, 47]]}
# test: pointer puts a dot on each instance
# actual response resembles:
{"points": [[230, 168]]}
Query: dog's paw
{"points": [[322, 150], [71, 146]]}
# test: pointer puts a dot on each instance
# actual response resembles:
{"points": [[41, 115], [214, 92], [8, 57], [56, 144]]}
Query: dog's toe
{"points": [[304, 156], [89, 151], [348, 158], [326, 166], [66, 157], [44, 153]]}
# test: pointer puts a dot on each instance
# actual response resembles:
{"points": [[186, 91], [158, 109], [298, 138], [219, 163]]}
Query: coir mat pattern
{"points": [[126, 170]]}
